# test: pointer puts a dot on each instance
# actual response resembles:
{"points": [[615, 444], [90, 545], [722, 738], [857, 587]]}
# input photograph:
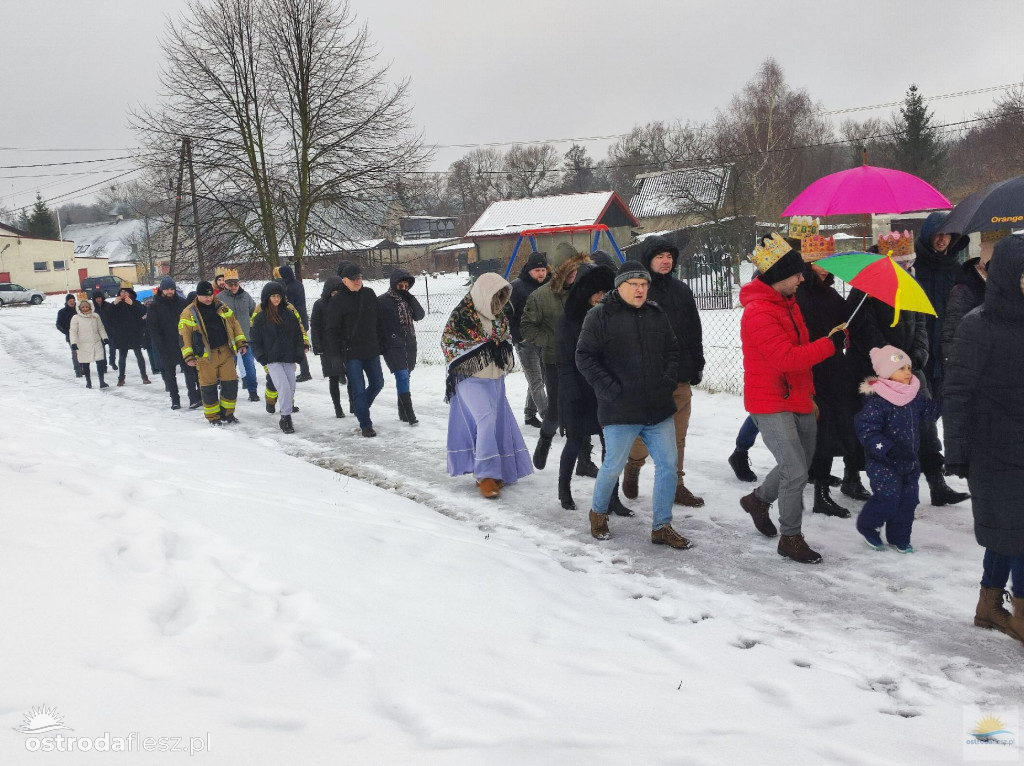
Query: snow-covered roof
{"points": [[111, 240], [511, 216], [456, 246], [402, 242], [672, 192]]}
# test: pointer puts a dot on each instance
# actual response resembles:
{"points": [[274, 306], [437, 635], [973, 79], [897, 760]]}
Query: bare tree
{"points": [[531, 170], [475, 180], [578, 172], [293, 124]]}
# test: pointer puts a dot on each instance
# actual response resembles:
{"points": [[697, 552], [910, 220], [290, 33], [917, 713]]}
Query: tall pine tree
{"points": [[917, 146], [41, 223]]}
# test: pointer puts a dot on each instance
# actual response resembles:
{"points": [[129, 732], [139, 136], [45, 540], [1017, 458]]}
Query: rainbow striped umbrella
{"points": [[880, 277]]}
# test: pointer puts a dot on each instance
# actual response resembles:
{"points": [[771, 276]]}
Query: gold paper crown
{"points": [[767, 255], [814, 247], [896, 244], [992, 236], [230, 274], [803, 226]]}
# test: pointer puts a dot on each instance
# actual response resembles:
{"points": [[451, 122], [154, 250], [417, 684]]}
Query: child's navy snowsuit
{"points": [[890, 434]]}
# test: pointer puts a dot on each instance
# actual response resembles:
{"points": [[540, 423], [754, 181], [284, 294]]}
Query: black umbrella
{"points": [[999, 206]]}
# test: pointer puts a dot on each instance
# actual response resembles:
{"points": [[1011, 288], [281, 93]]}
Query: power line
{"points": [[924, 98], [54, 175], [60, 164]]}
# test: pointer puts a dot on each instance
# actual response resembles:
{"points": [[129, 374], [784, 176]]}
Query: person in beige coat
{"points": [[88, 337]]}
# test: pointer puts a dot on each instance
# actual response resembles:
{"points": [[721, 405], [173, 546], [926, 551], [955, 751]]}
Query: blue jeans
{"points": [[747, 436], [402, 381], [249, 378], [364, 390], [661, 443], [998, 570]]}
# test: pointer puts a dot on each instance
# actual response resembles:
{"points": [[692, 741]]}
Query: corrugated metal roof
{"points": [[672, 192], [511, 216]]}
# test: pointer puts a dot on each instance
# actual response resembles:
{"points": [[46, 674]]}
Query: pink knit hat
{"points": [[887, 360]]}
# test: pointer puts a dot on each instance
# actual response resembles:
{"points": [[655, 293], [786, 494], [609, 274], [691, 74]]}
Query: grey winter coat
{"points": [[242, 304]]}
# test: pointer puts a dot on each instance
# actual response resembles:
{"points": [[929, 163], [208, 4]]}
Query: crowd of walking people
{"points": [[612, 350]]}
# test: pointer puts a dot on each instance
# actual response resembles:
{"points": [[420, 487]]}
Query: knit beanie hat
{"points": [[168, 284], [887, 360], [351, 271], [70, 297], [537, 261], [631, 270], [204, 288]]}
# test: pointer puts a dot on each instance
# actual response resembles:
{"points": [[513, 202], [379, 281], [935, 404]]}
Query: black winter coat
{"points": [[126, 325], [400, 342], [522, 288], [577, 402], [354, 327], [676, 299], [871, 328], [162, 319], [835, 383], [331, 365], [983, 408], [967, 294], [276, 342], [295, 293], [64, 319], [630, 357], [102, 308], [936, 273]]}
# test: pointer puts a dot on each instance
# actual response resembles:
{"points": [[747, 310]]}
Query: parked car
{"points": [[14, 293], [110, 285]]}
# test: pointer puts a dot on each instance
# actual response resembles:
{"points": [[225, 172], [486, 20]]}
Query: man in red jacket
{"points": [[778, 389]]}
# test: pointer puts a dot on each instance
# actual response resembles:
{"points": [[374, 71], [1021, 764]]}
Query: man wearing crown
{"points": [[778, 387]]}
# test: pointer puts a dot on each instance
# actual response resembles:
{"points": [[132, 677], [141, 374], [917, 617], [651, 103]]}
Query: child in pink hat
{"points": [[889, 427]]}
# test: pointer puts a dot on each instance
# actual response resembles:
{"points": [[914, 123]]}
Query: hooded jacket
{"points": [[126, 324], [967, 294], [331, 365], [281, 342], [295, 293], [399, 341], [630, 357], [101, 306], [545, 304], [353, 328], [64, 316], [983, 410], [890, 433], [676, 299], [195, 340], [778, 354], [523, 287], [577, 402], [162, 320], [936, 273], [242, 304], [88, 333]]}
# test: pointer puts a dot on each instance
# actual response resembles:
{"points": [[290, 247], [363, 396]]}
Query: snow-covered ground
{"points": [[323, 598]]}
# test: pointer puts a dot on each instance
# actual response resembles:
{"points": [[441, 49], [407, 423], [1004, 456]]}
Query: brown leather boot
{"points": [[990, 613], [686, 497], [796, 548], [1016, 628], [668, 536], [758, 510], [599, 525], [488, 488], [630, 477]]}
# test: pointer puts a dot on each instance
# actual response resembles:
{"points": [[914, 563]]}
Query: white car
{"points": [[14, 293]]}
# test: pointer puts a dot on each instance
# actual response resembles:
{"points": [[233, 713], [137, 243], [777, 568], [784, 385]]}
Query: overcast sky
{"points": [[484, 71]]}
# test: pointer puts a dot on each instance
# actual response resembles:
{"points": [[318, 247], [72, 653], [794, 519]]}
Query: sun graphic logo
{"points": [[42, 720], [990, 727]]}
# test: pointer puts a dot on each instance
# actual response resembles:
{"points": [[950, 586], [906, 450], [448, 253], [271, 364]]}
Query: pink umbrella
{"points": [[867, 189]]}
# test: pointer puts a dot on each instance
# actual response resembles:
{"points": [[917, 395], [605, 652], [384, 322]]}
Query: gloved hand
{"points": [[74, 347], [957, 469], [697, 378]]}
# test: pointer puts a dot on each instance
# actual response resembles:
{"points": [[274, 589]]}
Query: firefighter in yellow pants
{"points": [[210, 338]]}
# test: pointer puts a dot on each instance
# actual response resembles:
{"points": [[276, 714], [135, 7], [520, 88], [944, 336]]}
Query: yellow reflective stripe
{"points": [[227, 312], [185, 350], [271, 394], [187, 322], [240, 337], [228, 404], [211, 409]]}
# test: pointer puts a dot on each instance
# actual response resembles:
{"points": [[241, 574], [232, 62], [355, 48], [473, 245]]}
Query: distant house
{"points": [[50, 265], [496, 231], [427, 227], [126, 243], [673, 199]]}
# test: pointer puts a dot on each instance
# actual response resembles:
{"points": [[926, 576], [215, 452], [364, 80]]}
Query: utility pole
{"points": [[177, 208], [195, 210]]}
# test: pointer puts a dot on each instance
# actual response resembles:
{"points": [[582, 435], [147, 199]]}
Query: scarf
{"points": [[468, 348], [404, 315], [899, 394]]}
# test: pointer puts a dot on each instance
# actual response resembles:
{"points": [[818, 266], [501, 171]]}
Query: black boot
{"points": [[942, 493], [406, 400], [338, 411], [100, 369], [88, 375], [615, 504], [565, 494], [286, 424], [401, 410], [540, 453], [740, 463], [584, 465], [823, 502], [852, 486]]}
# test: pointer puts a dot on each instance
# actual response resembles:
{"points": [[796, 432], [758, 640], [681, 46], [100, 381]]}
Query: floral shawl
{"points": [[468, 350]]}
